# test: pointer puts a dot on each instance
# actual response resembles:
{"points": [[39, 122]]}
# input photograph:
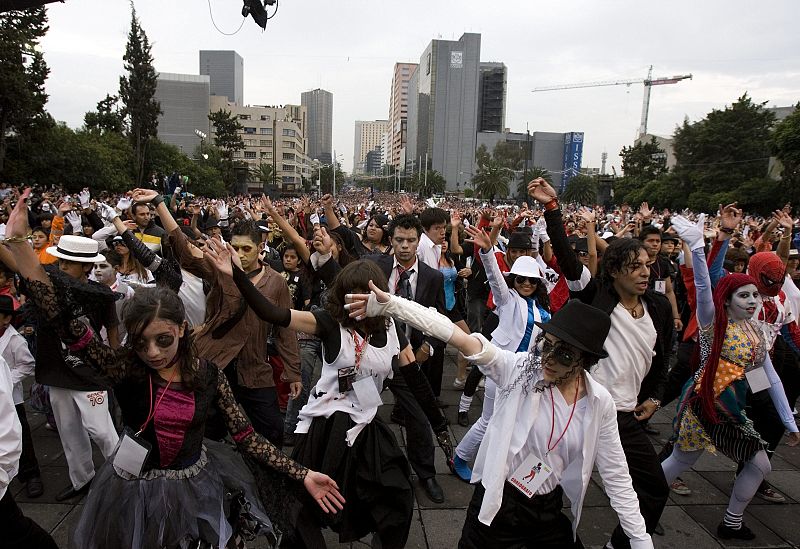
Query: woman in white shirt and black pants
{"points": [[552, 423]]}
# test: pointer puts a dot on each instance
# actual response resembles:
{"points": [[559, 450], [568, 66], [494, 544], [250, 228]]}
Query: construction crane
{"points": [[648, 82]]}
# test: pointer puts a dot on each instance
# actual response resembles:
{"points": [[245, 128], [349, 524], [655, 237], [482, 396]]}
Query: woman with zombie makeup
{"points": [[734, 360], [163, 486], [552, 423]]}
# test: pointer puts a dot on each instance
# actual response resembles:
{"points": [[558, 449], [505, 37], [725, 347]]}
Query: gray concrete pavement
{"points": [[688, 521]]}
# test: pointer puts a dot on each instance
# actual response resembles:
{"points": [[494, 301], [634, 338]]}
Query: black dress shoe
{"points": [[69, 492], [463, 419], [433, 490], [34, 487]]}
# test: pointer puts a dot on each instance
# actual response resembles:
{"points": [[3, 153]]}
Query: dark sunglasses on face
{"points": [[561, 352], [582, 254], [164, 341], [523, 279]]}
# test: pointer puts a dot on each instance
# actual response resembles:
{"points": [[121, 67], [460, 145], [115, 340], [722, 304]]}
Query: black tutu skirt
{"points": [[373, 477], [208, 502]]}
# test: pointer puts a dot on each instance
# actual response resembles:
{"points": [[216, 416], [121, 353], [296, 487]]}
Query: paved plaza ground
{"points": [[689, 521]]}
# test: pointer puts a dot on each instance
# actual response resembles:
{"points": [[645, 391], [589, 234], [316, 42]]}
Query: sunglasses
{"points": [[560, 351], [523, 279], [164, 341], [582, 254], [120, 243]]}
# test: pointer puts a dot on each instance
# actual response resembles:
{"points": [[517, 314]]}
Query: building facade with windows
{"points": [[369, 135], [226, 71], [398, 113], [275, 136], [319, 108], [184, 108], [492, 97]]}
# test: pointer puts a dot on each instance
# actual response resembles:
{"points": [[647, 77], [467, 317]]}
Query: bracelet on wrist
{"points": [[18, 239], [726, 230], [158, 199], [552, 205], [656, 402]]}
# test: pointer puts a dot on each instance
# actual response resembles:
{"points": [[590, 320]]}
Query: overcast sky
{"points": [[349, 47]]}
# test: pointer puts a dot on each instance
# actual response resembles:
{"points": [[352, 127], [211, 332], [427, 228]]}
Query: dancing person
{"points": [[734, 358], [165, 393], [521, 304], [339, 431], [549, 410]]}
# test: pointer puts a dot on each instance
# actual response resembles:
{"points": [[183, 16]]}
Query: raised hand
{"points": [[221, 255], [363, 305], [586, 214], [73, 219], [324, 490], [691, 233], [645, 210], [143, 196], [541, 191], [84, 196], [107, 212], [729, 216], [406, 205], [478, 237], [784, 220], [17, 224], [455, 219], [322, 243], [124, 203]]}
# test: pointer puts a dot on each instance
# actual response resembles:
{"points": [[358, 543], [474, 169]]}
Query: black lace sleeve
{"points": [[251, 442], [265, 310], [166, 272], [92, 351]]}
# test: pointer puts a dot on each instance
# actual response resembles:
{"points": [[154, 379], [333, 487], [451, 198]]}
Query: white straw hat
{"points": [[76, 248], [526, 266]]}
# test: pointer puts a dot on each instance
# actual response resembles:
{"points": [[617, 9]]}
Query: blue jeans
{"points": [[310, 358]]}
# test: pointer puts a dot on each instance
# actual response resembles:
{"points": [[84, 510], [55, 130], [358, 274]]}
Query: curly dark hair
{"points": [[405, 221], [149, 304], [353, 278], [618, 257]]}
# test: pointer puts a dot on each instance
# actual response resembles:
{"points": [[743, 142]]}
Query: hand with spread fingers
{"points": [[325, 491]]}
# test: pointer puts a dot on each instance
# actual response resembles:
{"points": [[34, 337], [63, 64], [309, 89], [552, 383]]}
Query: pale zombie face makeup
{"points": [[104, 273], [743, 302]]}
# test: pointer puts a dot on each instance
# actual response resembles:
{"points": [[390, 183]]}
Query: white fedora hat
{"points": [[76, 248], [526, 266]]}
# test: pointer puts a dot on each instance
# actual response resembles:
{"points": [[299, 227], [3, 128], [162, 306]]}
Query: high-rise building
{"points": [[275, 136], [184, 109], [368, 136], [492, 97], [226, 70], [444, 115], [319, 106], [398, 112], [372, 161]]}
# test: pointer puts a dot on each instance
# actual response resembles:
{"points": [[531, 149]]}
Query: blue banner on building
{"points": [[573, 153]]}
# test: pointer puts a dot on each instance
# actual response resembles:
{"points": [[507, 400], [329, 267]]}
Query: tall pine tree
{"points": [[137, 91], [22, 72]]}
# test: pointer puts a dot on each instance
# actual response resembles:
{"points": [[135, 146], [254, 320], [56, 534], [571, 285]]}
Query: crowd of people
{"points": [[228, 358]]}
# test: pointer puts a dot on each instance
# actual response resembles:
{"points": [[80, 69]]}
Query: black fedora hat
{"points": [[520, 240], [581, 325]]}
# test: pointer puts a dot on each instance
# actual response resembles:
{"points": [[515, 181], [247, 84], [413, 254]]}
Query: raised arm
{"points": [[692, 234], [588, 217], [288, 231], [455, 223], [497, 282]]}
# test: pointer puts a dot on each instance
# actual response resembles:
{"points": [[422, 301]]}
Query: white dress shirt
{"points": [[10, 430], [413, 272], [14, 350], [428, 252], [516, 414]]}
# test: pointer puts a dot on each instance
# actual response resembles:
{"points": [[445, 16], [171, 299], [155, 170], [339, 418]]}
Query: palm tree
{"points": [[263, 172], [491, 179], [427, 187], [528, 176], [581, 189]]}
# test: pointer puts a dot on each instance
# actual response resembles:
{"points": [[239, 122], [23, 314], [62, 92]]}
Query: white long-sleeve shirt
{"points": [[10, 430], [14, 350]]}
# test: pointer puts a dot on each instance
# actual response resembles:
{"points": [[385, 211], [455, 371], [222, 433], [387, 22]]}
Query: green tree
{"points": [[528, 176], [721, 152], [263, 173], [137, 91], [22, 73], [326, 178], [644, 161], [511, 154], [491, 178], [427, 186], [228, 139], [581, 189], [107, 117], [786, 146]]}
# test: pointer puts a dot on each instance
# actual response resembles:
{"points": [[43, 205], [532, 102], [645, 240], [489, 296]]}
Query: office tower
{"points": [[368, 136], [226, 70], [184, 109], [398, 113], [492, 97], [319, 106]]}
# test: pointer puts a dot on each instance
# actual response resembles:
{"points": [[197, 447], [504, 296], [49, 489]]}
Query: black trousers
{"points": [[261, 406], [519, 523], [680, 373], [433, 368], [28, 464], [419, 437], [20, 532], [647, 475]]}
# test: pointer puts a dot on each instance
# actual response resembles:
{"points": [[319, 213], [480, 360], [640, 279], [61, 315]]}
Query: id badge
{"points": [[661, 286], [346, 378], [367, 393], [132, 453], [757, 379], [530, 475]]}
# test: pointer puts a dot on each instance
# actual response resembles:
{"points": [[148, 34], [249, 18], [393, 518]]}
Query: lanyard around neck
{"points": [[152, 413], [553, 427]]}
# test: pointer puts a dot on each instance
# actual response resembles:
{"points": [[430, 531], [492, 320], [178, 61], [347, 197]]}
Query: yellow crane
{"points": [[648, 82]]}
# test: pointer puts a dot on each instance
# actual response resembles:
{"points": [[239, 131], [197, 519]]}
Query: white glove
{"points": [[691, 233], [541, 229], [428, 320], [124, 203], [85, 197], [178, 190], [75, 220], [107, 212], [222, 210]]}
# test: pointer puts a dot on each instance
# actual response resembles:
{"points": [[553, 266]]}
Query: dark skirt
{"points": [[373, 477], [173, 508]]}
